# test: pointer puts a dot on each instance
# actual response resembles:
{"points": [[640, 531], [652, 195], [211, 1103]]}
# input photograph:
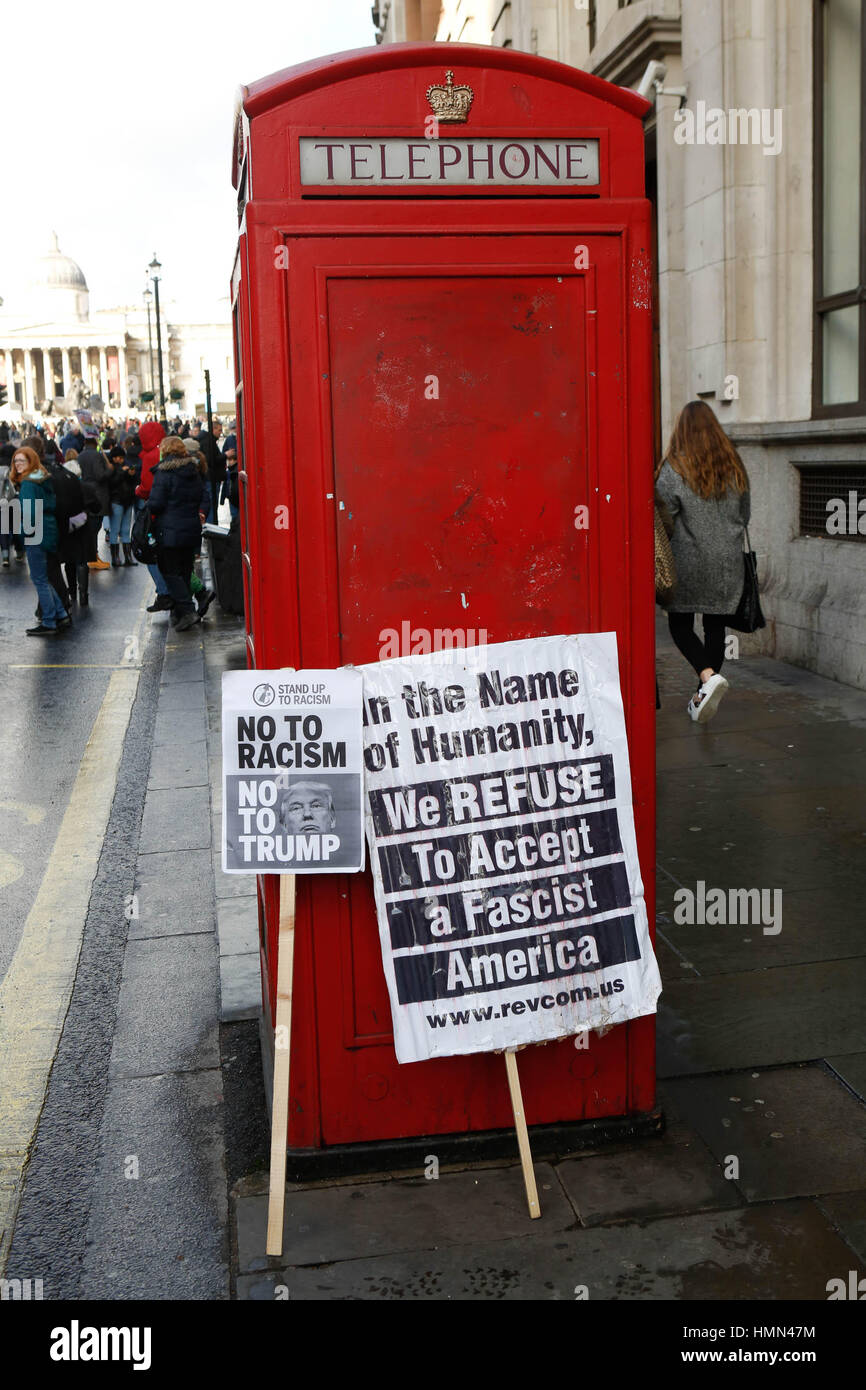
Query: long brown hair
{"points": [[34, 462], [703, 455]]}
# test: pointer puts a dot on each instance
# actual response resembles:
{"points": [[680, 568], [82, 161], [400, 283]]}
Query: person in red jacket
{"points": [[150, 434]]}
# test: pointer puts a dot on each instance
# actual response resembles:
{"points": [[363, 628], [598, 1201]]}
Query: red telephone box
{"points": [[442, 312]]}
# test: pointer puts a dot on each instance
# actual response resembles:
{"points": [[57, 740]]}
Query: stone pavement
{"points": [[163, 1235], [757, 1189], [187, 970]]}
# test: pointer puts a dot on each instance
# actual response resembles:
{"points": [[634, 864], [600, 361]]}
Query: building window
{"points": [[839, 345], [593, 24], [833, 501], [501, 32]]}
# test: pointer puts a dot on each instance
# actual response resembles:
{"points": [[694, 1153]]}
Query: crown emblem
{"points": [[450, 103]]}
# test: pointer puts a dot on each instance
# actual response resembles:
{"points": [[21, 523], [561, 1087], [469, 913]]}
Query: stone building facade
{"points": [[755, 167], [54, 349]]}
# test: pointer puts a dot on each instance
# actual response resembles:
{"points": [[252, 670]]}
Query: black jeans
{"points": [[175, 565], [700, 655], [91, 538]]}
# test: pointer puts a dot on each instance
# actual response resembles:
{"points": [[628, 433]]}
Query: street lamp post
{"points": [[154, 268], [148, 296]]}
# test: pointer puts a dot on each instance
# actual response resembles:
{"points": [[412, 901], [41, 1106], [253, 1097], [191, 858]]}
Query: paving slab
{"points": [[712, 749], [238, 926], [175, 819], [672, 965], [823, 811], [795, 1131], [181, 696], [183, 645], [174, 891], [786, 1251], [168, 1011], [852, 1070], [744, 780], [347, 1223], [806, 809], [172, 767], [794, 1014], [743, 711], [231, 885], [182, 671], [657, 1178], [240, 987], [759, 859], [848, 1215], [773, 680], [162, 1234], [181, 652], [809, 932], [176, 728], [816, 738]]}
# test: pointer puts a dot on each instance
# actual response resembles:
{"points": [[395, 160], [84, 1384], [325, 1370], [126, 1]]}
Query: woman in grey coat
{"points": [[704, 485]]}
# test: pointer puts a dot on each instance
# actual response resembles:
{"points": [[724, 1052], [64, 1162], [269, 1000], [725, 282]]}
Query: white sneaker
{"points": [[705, 702]]}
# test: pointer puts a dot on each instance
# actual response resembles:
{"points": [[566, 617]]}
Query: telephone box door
{"points": [[467, 467]]}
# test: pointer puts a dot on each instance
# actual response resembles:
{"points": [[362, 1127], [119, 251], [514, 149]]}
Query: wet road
{"points": [[52, 691]]}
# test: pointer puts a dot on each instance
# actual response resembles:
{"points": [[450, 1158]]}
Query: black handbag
{"points": [[748, 617], [141, 541]]}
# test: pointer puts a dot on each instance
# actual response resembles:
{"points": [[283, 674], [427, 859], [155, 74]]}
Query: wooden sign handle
{"points": [[282, 1050], [522, 1134]]}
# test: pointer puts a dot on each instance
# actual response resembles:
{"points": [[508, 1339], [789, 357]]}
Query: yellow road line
{"points": [[73, 666], [35, 993]]}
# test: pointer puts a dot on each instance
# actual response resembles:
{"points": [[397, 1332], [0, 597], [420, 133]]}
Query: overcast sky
{"points": [[118, 129]]}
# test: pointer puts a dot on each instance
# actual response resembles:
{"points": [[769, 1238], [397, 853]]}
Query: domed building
{"points": [[55, 356], [58, 290]]}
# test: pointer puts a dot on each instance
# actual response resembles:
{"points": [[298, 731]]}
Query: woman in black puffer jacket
{"points": [[175, 500], [121, 492]]}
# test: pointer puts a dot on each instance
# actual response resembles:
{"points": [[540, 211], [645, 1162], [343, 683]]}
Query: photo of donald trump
{"points": [[307, 808]]}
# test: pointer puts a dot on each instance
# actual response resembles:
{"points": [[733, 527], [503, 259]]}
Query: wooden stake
{"points": [[522, 1134], [282, 1049]]}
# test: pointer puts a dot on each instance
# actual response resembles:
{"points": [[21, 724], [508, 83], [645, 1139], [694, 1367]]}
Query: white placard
{"points": [[292, 772], [499, 819]]}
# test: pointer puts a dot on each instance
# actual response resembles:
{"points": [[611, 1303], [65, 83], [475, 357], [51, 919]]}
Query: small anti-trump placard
{"points": [[292, 772]]}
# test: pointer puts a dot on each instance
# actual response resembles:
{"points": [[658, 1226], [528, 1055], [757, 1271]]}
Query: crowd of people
{"points": [[146, 488], [149, 488]]}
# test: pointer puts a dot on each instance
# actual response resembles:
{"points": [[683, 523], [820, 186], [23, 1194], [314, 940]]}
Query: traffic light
{"points": [[3, 395]]}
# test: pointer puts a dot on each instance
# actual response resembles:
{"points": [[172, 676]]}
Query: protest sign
{"points": [[292, 772], [499, 818], [292, 778]]}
